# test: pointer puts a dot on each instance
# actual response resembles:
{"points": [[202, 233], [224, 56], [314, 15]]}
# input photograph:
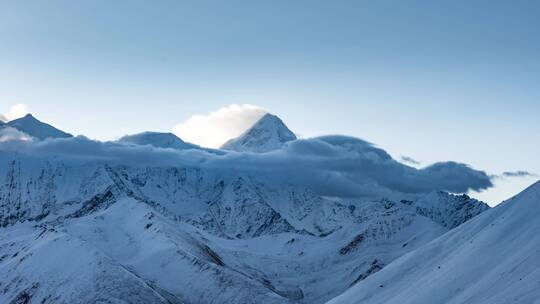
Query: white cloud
{"points": [[9, 133], [16, 111], [214, 129]]}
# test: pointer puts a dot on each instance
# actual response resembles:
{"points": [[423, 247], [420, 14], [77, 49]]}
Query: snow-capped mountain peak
{"points": [[157, 139], [37, 129], [268, 133]]}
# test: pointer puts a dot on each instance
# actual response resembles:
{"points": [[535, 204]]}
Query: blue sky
{"points": [[433, 80]]}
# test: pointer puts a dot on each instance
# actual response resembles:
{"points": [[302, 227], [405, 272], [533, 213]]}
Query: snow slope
{"points": [[492, 259], [268, 133], [50, 266], [37, 129]]}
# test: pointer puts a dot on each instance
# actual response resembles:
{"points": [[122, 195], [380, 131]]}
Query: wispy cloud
{"points": [[519, 173], [410, 160], [215, 128], [12, 134]]}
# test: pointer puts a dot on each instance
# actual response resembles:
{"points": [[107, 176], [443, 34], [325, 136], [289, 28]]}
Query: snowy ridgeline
{"points": [[71, 231]]}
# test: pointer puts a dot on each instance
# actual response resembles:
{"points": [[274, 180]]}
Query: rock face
{"points": [[37, 129], [95, 231], [493, 258], [267, 134]]}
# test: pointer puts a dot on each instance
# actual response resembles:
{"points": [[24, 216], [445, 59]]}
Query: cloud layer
{"points": [[214, 129], [341, 165], [12, 134], [330, 165]]}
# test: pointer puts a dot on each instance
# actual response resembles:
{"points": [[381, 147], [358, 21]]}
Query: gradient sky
{"points": [[432, 80]]}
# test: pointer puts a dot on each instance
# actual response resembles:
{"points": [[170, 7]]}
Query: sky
{"points": [[427, 80]]}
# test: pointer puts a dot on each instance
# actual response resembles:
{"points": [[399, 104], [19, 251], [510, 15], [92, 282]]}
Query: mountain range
{"points": [[98, 229]]}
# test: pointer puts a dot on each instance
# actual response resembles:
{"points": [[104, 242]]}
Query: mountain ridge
{"points": [[157, 139], [35, 128]]}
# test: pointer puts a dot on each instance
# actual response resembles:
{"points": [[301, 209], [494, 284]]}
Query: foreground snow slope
{"points": [[51, 266], [492, 259]]}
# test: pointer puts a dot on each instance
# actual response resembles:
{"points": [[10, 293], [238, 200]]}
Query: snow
{"points": [[50, 266], [267, 134], [494, 258]]}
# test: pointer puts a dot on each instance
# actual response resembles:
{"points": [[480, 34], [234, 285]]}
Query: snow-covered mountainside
{"points": [[452, 211], [268, 133], [37, 129], [157, 139], [492, 259], [87, 231]]}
